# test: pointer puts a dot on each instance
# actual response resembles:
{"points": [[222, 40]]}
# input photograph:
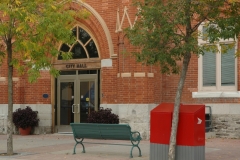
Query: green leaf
{"points": [[35, 29], [168, 30]]}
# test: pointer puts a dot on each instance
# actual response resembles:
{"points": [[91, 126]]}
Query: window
{"points": [[217, 66], [84, 47]]}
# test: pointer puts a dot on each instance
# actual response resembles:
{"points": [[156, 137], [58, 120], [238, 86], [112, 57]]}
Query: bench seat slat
{"points": [[121, 132]]}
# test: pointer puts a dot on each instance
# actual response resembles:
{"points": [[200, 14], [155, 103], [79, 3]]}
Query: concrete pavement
{"points": [[60, 147]]}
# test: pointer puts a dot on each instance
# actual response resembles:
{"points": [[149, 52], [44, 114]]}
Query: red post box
{"points": [[190, 133]]}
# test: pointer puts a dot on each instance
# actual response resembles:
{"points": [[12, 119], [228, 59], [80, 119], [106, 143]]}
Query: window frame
{"points": [[92, 38], [218, 87]]}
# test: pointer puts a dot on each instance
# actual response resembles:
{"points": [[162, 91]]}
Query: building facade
{"points": [[100, 75]]}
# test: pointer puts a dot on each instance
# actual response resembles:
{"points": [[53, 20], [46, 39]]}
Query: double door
{"points": [[76, 99]]}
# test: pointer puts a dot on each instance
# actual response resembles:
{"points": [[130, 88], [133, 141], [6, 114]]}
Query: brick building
{"points": [[100, 76]]}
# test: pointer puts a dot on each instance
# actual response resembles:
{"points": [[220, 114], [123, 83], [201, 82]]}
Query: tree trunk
{"points": [[10, 99], [172, 146], [186, 60]]}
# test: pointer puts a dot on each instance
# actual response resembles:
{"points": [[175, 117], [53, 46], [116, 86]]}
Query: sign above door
{"points": [[77, 66]]}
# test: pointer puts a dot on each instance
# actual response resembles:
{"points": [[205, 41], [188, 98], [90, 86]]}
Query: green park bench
{"points": [[106, 132]]}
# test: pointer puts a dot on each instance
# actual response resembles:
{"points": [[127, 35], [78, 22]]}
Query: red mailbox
{"points": [[190, 133]]}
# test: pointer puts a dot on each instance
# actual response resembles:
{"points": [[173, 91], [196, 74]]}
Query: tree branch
{"points": [[198, 24]]}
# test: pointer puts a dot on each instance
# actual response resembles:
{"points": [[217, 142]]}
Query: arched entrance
{"points": [[77, 87]]}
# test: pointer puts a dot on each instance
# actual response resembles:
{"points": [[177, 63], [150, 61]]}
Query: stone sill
{"points": [[216, 94]]}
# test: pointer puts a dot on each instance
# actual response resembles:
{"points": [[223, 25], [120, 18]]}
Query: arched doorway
{"points": [[77, 87]]}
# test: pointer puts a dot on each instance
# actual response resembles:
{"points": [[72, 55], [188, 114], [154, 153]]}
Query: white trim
{"points": [[103, 24], [216, 94], [125, 14]]}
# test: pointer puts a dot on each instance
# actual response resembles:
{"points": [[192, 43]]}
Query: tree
{"points": [[29, 34], [166, 32]]}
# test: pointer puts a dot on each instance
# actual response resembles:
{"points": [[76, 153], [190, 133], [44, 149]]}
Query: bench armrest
{"points": [[136, 136]]}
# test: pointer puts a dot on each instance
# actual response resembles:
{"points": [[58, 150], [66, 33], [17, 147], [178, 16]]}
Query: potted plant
{"points": [[25, 119], [103, 116]]}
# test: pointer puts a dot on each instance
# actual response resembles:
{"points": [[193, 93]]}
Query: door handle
{"points": [[78, 108], [73, 108]]}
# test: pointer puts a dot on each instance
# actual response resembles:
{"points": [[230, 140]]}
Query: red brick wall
{"points": [[33, 93], [23, 91], [117, 90]]}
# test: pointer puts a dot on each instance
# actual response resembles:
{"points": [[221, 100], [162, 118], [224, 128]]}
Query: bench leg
{"points": [[83, 148], [74, 149], [140, 153]]}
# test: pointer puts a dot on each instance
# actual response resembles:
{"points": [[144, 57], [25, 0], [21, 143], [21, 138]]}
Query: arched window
{"points": [[84, 47]]}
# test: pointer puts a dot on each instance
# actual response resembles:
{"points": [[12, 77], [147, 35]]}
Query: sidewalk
{"points": [[60, 147]]}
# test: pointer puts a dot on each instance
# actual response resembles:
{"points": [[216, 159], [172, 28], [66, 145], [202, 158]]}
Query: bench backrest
{"points": [[101, 131]]}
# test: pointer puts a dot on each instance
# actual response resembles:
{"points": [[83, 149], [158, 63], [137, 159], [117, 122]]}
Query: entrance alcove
{"points": [[77, 86]]}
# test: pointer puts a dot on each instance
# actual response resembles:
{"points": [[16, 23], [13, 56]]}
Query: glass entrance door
{"points": [[76, 99], [66, 103], [67, 106], [87, 104]]}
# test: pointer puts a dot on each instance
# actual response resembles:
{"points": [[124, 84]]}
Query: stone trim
{"points": [[125, 14], [125, 74], [140, 74], [15, 79], [106, 63], [216, 94], [150, 75], [2, 79], [136, 74], [103, 24]]}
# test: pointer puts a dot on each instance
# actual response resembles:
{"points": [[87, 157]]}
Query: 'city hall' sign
{"points": [[81, 65]]}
